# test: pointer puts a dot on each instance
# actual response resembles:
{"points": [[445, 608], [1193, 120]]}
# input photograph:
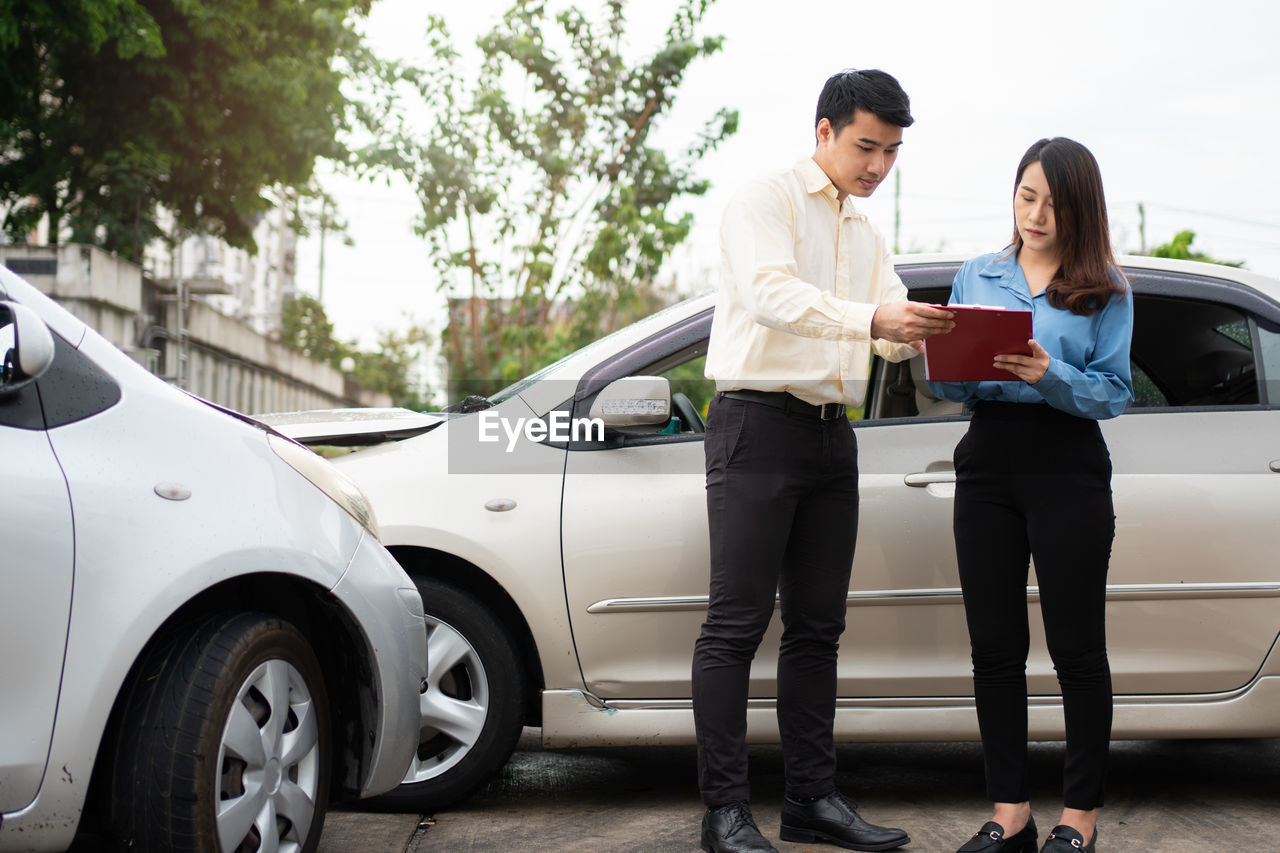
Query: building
{"points": [[257, 285], [170, 326]]}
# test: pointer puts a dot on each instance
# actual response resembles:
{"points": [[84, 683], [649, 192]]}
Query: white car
{"points": [[565, 573], [201, 638]]}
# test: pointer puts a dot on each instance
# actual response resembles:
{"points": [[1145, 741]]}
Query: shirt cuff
{"points": [[857, 320]]}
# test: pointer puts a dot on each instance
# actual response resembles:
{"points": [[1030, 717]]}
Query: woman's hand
{"points": [[1028, 368]]}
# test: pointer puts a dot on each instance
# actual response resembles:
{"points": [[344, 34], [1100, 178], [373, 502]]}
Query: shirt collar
{"points": [[816, 182], [1003, 265]]}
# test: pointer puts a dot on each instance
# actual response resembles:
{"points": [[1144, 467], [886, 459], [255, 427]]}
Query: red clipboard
{"points": [[981, 333]]}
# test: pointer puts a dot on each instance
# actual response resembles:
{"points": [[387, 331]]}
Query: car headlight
{"points": [[328, 479]]}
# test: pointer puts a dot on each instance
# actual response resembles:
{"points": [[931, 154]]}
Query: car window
{"points": [[1186, 353], [1190, 353], [898, 389], [1269, 359], [74, 387]]}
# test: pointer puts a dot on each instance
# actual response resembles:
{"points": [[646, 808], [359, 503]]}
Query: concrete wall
{"points": [[179, 336]]}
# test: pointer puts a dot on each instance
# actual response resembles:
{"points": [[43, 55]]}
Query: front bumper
{"points": [[388, 608]]}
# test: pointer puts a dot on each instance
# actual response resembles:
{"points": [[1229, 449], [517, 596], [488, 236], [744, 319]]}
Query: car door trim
{"points": [[953, 595]]}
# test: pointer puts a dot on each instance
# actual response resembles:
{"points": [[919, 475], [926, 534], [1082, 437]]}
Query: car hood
{"points": [[352, 427]]}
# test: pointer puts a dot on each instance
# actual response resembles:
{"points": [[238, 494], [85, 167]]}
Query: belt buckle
{"points": [[830, 411]]}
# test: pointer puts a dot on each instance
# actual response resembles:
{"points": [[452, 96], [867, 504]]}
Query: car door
{"points": [[35, 590], [1192, 586], [634, 534], [634, 538]]}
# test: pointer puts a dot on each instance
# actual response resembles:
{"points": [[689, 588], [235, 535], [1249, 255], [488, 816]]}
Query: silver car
{"points": [[558, 533], [201, 639]]}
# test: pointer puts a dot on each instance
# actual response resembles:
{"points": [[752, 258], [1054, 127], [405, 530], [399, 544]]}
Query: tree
{"points": [[389, 366], [544, 200], [110, 108], [306, 328], [1180, 247]]}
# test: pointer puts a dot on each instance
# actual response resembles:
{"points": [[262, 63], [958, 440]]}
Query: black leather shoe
{"points": [[731, 829], [993, 840], [1064, 839], [835, 820]]}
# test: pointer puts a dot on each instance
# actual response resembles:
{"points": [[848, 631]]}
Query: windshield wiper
{"points": [[470, 403]]}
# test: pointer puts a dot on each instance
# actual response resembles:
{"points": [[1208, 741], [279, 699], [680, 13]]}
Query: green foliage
{"points": [[690, 379], [1180, 247], [109, 108], [544, 201], [388, 367], [305, 327]]}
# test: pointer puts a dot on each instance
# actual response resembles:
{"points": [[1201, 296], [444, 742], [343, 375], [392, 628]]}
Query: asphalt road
{"points": [[1164, 797]]}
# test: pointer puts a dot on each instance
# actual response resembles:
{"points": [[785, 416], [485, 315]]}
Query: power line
{"points": [[1224, 217]]}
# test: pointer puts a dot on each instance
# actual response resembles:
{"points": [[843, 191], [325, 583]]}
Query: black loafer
{"points": [[991, 839], [835, 820], [731, 829], [1064, 839]]}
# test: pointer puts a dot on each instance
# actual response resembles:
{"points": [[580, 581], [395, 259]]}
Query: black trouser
{"points": [[1032, 481], [782, 508]]}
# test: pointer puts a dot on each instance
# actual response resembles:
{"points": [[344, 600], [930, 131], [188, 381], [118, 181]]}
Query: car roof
{"points": [[1265, 285]]}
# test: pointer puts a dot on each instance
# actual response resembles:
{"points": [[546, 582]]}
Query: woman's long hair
{"points": [[1088, 274]]}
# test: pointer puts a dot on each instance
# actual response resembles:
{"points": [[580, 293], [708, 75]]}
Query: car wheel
{"points": [[473, 707], [223, 744]]}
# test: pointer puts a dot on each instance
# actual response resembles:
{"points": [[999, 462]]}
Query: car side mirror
{"points": [[26, 346], [634, 405]]}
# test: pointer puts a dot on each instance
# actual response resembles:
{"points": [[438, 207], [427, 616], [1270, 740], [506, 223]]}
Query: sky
{"points": [[1179, 102]]}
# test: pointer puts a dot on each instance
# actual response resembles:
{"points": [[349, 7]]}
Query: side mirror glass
{"points": [[634, 405], [26, 346]]}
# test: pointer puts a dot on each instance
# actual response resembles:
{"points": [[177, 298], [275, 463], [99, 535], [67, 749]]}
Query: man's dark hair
{"points": [[874, 91]]}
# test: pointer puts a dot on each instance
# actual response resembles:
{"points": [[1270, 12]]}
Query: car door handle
{"points": [[928, 478]]}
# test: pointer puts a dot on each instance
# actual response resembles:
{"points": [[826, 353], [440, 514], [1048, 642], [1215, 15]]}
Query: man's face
{"points": [[860, 155]]}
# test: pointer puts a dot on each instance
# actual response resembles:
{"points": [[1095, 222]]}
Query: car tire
{"points": [[473, 708], [225, 732]]}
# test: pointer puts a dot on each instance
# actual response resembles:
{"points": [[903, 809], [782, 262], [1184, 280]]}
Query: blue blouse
{"points": [[1088, 373]]}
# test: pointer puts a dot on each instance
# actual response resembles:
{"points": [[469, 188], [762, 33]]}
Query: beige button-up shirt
{"points": [[801, 278]]}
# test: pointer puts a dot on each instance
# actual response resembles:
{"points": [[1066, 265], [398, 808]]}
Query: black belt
{"points": [[789, 403]]}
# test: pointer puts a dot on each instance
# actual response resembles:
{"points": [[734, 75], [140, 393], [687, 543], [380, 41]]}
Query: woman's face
{"points": [[1033, 212]]}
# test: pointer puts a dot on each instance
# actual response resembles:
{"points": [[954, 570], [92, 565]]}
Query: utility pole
{"points": [[1142, 227]]}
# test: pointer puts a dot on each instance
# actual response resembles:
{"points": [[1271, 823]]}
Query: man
{"points": [[807, 292]]}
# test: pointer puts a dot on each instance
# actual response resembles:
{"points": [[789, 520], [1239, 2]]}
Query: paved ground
{"points": [[1165, 797]]}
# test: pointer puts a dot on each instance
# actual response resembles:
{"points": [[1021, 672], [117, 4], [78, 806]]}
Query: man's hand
{"points": [[904, 322]]}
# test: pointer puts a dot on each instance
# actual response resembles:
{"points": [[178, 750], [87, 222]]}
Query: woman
{"points": [[1033, 482]]}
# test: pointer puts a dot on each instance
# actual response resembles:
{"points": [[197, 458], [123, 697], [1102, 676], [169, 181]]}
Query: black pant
{"points": [[782, 508], [1032, 481]]}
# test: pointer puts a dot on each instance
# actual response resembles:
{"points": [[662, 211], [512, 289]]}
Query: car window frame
{"points": [[644, 356], [641, 358], [1144, 281], [1190, 287]]}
